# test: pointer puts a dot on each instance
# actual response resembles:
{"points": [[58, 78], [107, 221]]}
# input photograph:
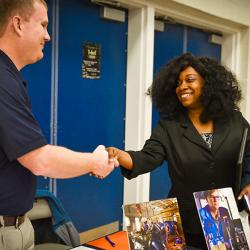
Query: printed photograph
{"points": [[220, 219], [154, 225]]}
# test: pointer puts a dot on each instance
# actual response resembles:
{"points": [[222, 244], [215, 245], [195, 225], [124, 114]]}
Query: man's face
{"points": [[213, 200], [35, 34]]}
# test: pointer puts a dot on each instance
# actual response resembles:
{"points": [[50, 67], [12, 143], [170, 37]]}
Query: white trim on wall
{"points": [[243, 69], [138, 103]]}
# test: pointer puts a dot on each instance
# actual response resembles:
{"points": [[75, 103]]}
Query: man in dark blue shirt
{"points": [[24, 152]]}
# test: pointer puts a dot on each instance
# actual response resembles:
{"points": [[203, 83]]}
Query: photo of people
{"points": [[154, 225], [220, 219]]}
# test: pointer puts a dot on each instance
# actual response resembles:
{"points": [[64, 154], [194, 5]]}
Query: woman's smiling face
{"points": [[189, 88]]}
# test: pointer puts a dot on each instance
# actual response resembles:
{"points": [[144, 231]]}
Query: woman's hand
{"points": [[245, 191], [120, 157], [113, 155]]}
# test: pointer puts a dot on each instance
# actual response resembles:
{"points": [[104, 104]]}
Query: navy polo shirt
{"points": [[19, 134]]}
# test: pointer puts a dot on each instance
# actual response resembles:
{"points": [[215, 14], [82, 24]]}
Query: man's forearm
{"points": [[57, 162]]}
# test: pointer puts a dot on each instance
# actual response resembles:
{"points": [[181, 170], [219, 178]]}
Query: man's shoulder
{"points": [[204, 210], [223, 210], [11, 89], [8, 79]]}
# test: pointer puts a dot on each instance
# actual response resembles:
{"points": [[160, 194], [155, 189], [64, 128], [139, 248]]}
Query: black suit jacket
{"points": [[192, 165]]}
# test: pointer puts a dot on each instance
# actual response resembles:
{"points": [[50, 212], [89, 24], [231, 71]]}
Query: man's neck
{"points": [[215, 213], [9, 50]]}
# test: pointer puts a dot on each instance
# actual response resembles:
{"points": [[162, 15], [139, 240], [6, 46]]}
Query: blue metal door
{"points": [[198, 44], [91, 111], [175, 40]]}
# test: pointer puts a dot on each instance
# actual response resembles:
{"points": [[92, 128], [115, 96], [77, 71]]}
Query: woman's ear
{"points": [[17, 24]]}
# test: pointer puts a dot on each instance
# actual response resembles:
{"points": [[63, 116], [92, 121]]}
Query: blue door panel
{"points": [[168, 45], [198, 44], [91, 112], [38, 76]]}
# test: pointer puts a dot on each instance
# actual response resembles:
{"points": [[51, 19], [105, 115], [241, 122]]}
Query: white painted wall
{"points": [[233, 10]]}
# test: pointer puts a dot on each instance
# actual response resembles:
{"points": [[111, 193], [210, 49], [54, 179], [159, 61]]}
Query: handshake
{"points": [[104, 161]]}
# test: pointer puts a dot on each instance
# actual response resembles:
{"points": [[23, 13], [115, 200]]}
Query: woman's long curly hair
{"points": [[220, 94]]}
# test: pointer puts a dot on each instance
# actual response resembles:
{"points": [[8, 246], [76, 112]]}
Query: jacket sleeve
{"points": [[246, 169], [151, 156], [246, 165]]}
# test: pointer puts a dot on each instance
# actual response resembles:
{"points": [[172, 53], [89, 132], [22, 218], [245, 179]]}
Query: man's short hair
{"points": [[8, 8], [207, 193]]}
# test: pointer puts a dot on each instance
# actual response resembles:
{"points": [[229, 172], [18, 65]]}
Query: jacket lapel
{"points": [[190, 132], [221, 131]]}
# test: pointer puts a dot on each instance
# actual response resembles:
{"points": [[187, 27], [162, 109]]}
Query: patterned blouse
{"points": [[208, 138]]}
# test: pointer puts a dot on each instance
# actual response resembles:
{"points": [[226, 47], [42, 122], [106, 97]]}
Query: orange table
{"points": [[120, 239]]}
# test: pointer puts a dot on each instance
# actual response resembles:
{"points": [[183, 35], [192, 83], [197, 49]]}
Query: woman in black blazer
{"points": [[198, 134]]}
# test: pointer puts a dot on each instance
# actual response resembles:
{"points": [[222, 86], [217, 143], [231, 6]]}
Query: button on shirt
{"points": [[19, 134]]}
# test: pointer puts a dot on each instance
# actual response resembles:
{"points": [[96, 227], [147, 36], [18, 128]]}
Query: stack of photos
{"points": [[220, 219], [154, 225]]}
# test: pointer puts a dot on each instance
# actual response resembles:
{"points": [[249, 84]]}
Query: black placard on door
{"points": [[91, 61]]}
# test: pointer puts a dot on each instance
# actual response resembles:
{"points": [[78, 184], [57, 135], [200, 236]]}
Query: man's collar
{"points": [[5, 60]]}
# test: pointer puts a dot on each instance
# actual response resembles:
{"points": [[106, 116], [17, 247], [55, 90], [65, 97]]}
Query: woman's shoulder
{"points": [[237, 113], [173, 118], [238, 120], [237, 117], [167, 121]]}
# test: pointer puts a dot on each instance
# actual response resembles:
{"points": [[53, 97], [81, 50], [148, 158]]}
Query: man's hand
{"points": [[102, 165]]}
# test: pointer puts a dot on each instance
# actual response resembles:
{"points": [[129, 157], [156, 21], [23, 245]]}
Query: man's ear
{"points": [[17, 24]]}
